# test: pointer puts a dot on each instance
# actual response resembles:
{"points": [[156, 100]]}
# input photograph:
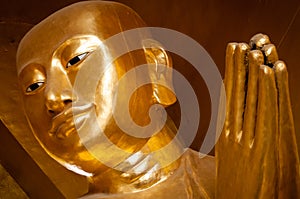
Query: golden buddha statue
{"points": [[258, 140]]}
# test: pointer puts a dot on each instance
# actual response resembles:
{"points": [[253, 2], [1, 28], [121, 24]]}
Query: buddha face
{"points": [[48, 60]]}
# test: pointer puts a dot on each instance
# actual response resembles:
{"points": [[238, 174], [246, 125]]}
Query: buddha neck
{"points": [[142, 169]]}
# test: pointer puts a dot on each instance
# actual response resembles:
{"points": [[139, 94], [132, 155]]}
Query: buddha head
{"points": [[49, 58]]}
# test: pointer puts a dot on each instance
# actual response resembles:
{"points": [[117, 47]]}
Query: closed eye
{"points": [[76, 59], [34, 87]]}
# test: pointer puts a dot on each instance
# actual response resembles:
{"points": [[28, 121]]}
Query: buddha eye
{"points": [[76, 59], [34, 87]]}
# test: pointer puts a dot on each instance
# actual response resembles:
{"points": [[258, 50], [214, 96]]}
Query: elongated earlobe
{"points": [[160, 70]]}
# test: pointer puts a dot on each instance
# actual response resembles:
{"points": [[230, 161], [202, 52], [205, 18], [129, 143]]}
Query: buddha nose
{"points": [[58, 92]]}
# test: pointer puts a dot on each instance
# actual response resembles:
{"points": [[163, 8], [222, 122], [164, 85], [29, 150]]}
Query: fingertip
{"points": [[270, 53], [280, 66], [259, 40], [281, 75], [268, 49], [243, 46], [231, 45], [257, 56], [266, 70]]}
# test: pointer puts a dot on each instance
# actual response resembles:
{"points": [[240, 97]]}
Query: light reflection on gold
{"points": [[48, 107], [62, 142]]}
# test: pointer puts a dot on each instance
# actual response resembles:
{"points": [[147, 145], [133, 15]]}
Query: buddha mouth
{"points": [[66, 123]]}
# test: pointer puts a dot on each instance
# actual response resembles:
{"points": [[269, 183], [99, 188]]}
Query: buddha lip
{"points": [[69, 120]]}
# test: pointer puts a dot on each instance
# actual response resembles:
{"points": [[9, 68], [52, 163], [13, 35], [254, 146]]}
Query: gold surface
{"points": [[12, 114], [48, 61], [285, 179], [211, 23], [257, 155]]}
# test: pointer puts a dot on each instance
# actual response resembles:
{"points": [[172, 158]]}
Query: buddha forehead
{"points": [[99, 18]]}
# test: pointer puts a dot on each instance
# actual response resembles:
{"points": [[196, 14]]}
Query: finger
{"points": [[256, 59], [270, 53], [266, 131], [288, 155], [267, 111], [239, 86], [258, 41], [228, 81]]}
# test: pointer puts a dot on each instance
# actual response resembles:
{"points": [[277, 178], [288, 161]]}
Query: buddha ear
{"points": [[160, 70]]}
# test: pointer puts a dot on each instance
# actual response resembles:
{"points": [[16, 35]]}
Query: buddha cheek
{"points": [[38, 117], [41, 122]]}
